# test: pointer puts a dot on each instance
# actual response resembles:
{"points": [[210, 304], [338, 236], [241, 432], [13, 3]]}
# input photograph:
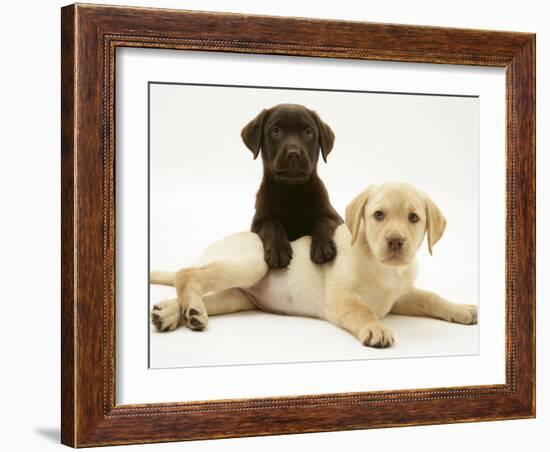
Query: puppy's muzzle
{"points": [[293, 156], [292, 164], [395, 242]]}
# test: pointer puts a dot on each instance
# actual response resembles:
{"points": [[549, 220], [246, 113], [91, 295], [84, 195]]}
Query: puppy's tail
{"points": [[164, 278]]}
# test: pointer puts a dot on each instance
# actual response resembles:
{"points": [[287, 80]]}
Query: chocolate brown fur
{"points": [[292, 201]]}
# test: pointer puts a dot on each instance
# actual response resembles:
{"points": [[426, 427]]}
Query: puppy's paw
{"points": [[166, 315], [322, 252], [375, 335], [278, 255], [462, 313], [196, 317]]}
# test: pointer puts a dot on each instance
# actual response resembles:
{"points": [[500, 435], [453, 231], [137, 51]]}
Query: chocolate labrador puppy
{"points": [[292, 200]]}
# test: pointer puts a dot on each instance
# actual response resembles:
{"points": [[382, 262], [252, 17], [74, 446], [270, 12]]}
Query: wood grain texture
{"points": [[90, 36], [68, 310]]}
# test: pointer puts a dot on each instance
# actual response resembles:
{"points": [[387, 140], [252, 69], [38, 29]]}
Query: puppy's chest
{"points": [[381, 296], [294, 213], [294, 204], [297, 222]]}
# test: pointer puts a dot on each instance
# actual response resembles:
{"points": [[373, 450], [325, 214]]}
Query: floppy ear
{"points": [[435, 223], [354, 213], [326, 136], [252, 133]]}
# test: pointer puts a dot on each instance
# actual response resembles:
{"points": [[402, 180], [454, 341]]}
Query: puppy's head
{"points": [[390, 220], [289, 137]]}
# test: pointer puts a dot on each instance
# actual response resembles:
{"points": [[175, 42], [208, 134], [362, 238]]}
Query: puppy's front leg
{"points": [[346, 310], [323, 248], [428, 304], [277, 249]]}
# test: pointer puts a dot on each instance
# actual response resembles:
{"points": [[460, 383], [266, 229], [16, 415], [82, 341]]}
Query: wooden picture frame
{"points": [[90, 35]]}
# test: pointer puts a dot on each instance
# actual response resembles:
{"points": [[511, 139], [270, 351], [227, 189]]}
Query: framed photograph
{"points": [[281, 225]]}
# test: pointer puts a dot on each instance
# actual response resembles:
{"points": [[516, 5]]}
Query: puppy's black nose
{"points": [[293, 154], [395, 242]]}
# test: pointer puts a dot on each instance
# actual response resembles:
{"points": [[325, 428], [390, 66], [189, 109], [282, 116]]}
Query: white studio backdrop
{"points": [[203, 182]]}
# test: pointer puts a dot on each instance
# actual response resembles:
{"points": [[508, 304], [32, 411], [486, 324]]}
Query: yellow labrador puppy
{"points": [[372, 275]]}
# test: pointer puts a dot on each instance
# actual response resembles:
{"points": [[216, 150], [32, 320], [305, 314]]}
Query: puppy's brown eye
{"points": [[413, 218], [379, 215], [308, 132], [275, 131]]}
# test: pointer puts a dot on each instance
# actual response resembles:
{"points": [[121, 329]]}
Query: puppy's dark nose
{"points": [[293, 154], [395, 242]]}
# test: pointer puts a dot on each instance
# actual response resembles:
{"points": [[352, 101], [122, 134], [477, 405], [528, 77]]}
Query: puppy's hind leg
{"points": [[234, 262], [227, 301], [214, 279], [166, 315]]}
